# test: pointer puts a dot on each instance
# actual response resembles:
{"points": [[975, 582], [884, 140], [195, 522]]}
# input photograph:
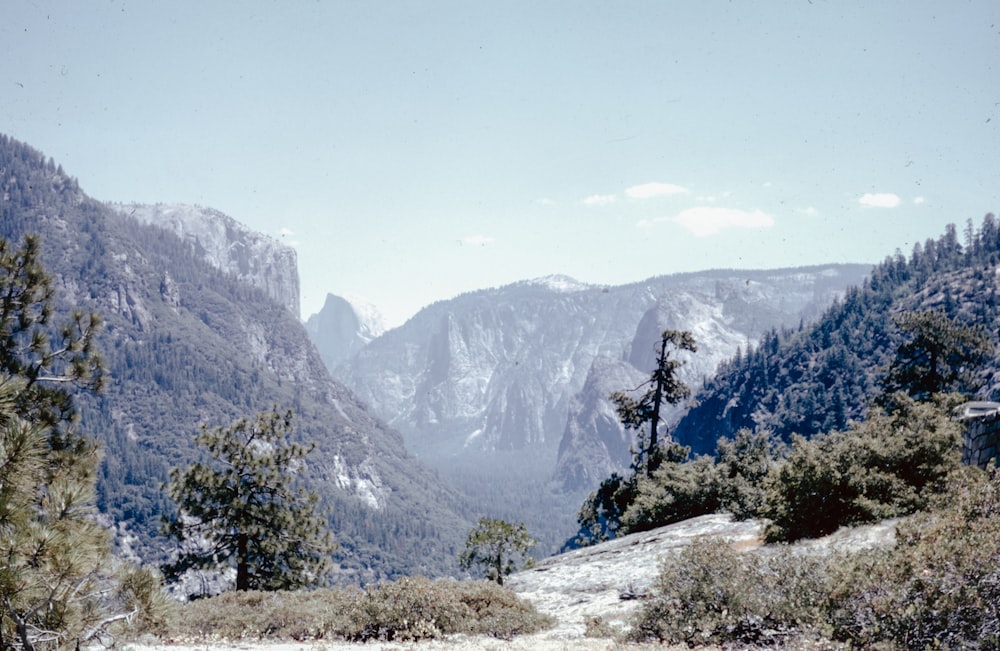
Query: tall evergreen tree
{"points": [[938, 355], [663, 387], [57, 577], [242, 509], [49, 357], [58, 581]]}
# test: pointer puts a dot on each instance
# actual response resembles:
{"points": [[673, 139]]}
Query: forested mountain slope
{"points": [[815, 379], [186, 344]]}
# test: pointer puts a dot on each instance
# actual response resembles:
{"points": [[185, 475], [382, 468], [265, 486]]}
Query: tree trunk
{"points": [[242, 563], [22, 632], [498, 563], [652, 460]]}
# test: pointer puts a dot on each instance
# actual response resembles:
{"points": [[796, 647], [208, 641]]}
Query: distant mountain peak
{"points": [[370, 317], [343, 327], [558, 283]]}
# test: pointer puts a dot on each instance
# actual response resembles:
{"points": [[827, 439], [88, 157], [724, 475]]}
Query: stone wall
{"points": [[982, 439]]}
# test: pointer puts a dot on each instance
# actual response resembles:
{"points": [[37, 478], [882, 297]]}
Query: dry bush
{"points": [[412, 608]]}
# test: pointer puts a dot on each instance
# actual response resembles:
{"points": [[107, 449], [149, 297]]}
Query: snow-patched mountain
{"points": [[344, 326], [229, 246], [526, 366]]}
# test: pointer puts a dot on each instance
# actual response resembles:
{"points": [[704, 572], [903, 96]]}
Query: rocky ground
{"points": [[600, 585], [605, 582]]}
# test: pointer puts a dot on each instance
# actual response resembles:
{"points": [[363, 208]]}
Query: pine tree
{"points": [[664, 387], [49, 358], [939, 355], [499, 546], [243, 510], [58, 581]]}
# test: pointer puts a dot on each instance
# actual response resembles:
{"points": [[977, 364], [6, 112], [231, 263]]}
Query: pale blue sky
{"points": [[416, 150]]}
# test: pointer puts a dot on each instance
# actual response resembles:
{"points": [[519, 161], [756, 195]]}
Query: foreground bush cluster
{"points": [[412, 608], [938, 587], [887, 466]]}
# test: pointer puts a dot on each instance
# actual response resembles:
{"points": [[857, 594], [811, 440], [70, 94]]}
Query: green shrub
{"points": [[940, 586], [600, 515], [412, 608], [681, 488], [676, 491], [742, 464], [710, 593], [255, 615], [497, 612], [884, 467]]}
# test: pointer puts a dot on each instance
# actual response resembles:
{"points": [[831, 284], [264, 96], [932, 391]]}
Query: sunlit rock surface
{"points": [[229, 246], [609, 580]]}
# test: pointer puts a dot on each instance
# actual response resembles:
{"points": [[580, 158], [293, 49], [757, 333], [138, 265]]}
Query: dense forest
{"points": [[817, 378]]}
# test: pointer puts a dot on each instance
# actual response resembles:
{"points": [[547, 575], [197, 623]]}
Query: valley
{"points": [[496, 404], [505, 391]]}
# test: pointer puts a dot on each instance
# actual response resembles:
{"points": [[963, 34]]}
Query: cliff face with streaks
{"points": [[229, 246], [528, 367]]}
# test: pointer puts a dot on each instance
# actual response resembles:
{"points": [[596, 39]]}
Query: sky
{"points": [[412, 151]]}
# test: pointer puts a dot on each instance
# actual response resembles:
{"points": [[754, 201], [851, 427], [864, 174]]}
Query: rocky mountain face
{"points": [[529, 366], [229, 246], [342, 328], [191, 338], [725, 313]]}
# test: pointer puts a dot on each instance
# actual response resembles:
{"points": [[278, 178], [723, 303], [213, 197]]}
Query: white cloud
{"points": [[651, 190], [286, 232], [599, 199], [918, 200], [545, 201], [710, 220], [477, 240], [879, 200]]}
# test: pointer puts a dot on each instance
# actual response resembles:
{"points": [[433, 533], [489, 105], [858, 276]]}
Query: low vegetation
{"points": [[410, 609], [938, 587], [887, 465]]}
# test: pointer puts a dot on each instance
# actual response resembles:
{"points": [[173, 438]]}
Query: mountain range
{"points": [[491, 403], [512, 383]]}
